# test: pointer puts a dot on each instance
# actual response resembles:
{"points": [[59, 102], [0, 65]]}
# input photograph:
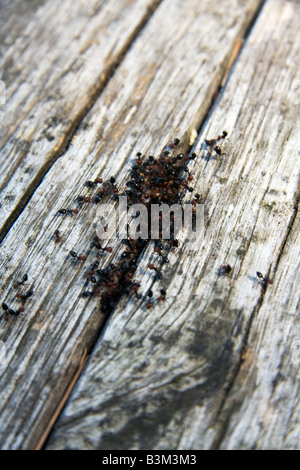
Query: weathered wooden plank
{"points": [[217, 365], [263, 403], [163, 88], [53, 72]]}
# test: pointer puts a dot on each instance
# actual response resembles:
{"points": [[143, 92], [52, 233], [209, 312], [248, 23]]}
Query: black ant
{"points": [[225, 269], [76, 256], [87, 293], [218, 150], [150, 293], [96, 244], [264, 280], [25, 296], [91, 184], [98, 197], [212, 143], [67, 211], [20, 283], [10, 312], [162, 296]]}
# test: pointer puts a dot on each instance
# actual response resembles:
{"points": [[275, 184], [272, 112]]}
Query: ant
{"points": [[158, 274], [218, 150], [67, 211], [98, 197], [92, 184], [10, 312], [96, 244], [77, 257], [25, 296], [212, 143], [225, 269], [57, 236], [20, 283], [264, 280], [87, 293]]}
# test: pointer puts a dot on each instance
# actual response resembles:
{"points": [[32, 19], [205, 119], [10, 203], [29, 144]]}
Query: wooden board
{"points": [[261, 409], [216, 366], [150, 371]]}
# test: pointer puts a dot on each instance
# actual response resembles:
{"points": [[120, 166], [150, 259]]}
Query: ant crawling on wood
{"points": [[17, 284], [77, 257], [9, 312], [264, 280], [225, 269], [212, 143], [57, 236]]}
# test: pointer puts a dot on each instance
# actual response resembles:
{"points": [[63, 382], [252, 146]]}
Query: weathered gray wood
{"points": [[263, 403], [53, 72], [14, 17], [217, 366], [162, 89]]}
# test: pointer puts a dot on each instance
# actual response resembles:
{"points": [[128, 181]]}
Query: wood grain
{"points": [[217, 365], [15, 16], [263, 403]]}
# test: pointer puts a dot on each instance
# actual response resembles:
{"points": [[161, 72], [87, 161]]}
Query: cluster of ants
{"points": [[21, 295], [164, 179]]}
